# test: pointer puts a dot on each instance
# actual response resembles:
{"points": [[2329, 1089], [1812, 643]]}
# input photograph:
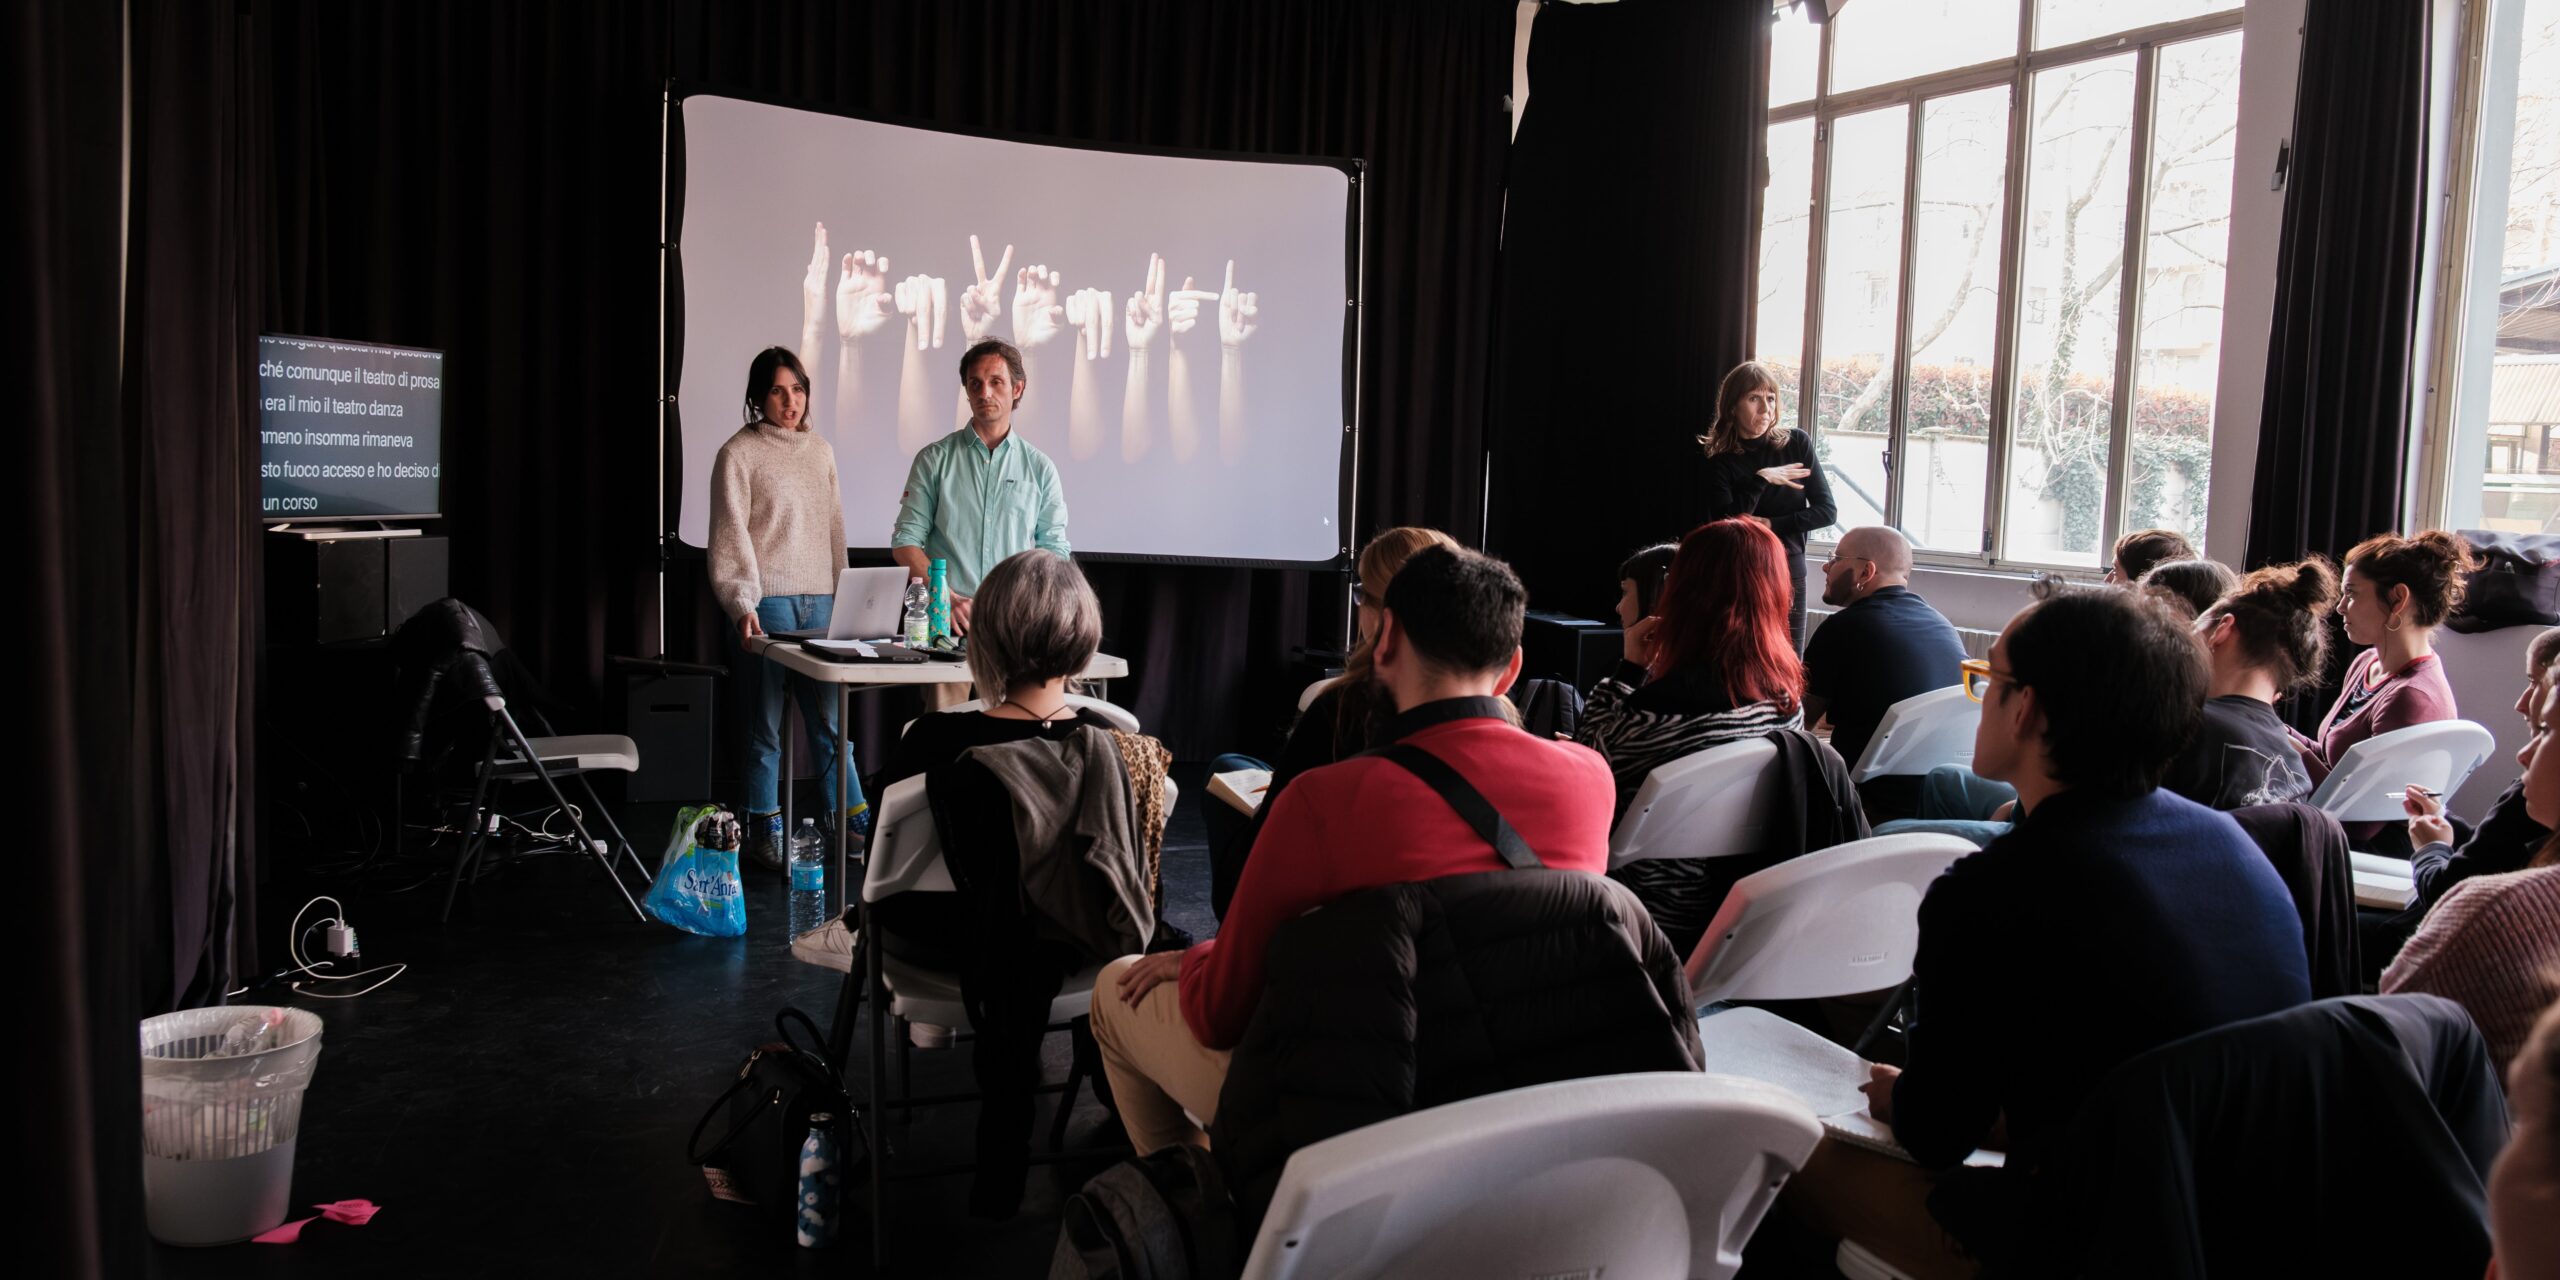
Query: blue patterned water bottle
{"points": [[938, 581], [821, 1184]]}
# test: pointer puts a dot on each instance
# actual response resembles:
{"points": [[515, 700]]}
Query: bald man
{"points": [[1885, 644]]}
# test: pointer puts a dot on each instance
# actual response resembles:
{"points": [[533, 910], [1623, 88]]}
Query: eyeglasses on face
{"points": [[1979, 678]]}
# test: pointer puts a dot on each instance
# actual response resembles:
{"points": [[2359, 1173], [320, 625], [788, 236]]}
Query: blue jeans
{"points": [[1956, 801], [760, 687], [1230, 836]]}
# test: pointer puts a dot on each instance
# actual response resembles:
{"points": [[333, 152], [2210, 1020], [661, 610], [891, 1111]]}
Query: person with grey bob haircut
{"points": [[1038, 624]]}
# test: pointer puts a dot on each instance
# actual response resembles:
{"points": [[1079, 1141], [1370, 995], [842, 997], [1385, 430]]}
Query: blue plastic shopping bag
{"points": [[697, 888]]}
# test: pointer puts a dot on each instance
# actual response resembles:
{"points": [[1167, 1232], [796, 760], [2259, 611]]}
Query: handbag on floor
{"points": [[763, 1117]]}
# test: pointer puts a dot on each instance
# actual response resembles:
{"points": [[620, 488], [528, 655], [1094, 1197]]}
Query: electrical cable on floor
{"points": [[312, 971]]}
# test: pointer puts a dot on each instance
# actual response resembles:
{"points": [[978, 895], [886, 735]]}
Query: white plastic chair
{"points": [[1307, 696], [1920, 733], [2366, 784], [1121, 717], [1707, 804], [1655, 1174], [1835, 922], [1857, 1262]]}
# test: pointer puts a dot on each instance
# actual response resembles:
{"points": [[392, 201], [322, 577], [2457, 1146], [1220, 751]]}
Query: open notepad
{"points": [[1760, 1045], [2382, 881], [1242, 789]]}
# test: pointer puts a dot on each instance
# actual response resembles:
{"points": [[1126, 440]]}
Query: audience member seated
{"points": [[2524, 1185], [2398, 591], [2507, 838], [1036, 808], [1342, 721], [1884, 644], [1640, 582], [2190, 586], [2266, 638], [1712, 665], [2115, 917], [1447, 647], [2493, 944], [1034, 626], [2142, 550], [1715, 664]]}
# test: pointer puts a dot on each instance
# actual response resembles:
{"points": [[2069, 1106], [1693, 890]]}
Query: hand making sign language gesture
{"points": [[981, 303], [924, 301], [1236, 313], [1089, 312], [1182, 410], [1145, 318]]}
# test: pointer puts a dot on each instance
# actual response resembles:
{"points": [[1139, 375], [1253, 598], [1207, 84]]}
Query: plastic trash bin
{"points": [[221, 1110]]}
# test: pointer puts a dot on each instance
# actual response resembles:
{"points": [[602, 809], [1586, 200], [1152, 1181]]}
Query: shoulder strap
{"points": [[1463, 797]]}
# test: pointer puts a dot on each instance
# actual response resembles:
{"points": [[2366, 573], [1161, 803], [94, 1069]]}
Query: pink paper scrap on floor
{"points": [[354, 1213]]}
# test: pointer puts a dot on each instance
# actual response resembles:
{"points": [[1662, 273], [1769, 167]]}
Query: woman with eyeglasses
{"points": [[1336, 725], [777, 540], [1757, 465]]}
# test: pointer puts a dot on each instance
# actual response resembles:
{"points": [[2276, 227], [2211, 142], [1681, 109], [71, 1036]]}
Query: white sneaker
{"points": [[925, 1035]]}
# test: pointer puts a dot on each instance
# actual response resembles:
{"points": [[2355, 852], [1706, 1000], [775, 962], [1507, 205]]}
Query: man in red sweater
{"points": [[1447, 650]]}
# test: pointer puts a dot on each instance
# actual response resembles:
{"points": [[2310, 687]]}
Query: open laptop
{"points": [[870, 605]]}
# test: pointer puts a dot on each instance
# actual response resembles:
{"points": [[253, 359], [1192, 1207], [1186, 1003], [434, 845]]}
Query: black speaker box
{"points": [[670, 719], [1578, 651], [413, 577]]}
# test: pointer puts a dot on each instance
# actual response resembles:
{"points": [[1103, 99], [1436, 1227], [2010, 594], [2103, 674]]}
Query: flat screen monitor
{"points": [[348, 430]]}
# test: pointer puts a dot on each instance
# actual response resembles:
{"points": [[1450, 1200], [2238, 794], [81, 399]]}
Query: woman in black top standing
{"points": [[1759, 466]]}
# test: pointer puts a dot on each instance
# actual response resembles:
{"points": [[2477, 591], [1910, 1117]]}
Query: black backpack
{"points": [[1165, 1216], [2515, 584]]}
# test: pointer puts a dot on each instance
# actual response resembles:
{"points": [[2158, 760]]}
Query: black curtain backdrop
{"points": [[1415, 88], [74, 1126], [1626, 273], [485, 181], [191, 274], [2333, 441]]}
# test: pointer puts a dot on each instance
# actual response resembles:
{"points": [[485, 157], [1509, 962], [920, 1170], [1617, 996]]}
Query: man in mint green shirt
{"points": [[981, 493]]}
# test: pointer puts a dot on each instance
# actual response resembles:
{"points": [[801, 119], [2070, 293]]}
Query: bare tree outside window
{"points": [[1929, 452]]}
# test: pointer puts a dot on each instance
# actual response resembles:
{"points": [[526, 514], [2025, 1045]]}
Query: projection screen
{"points": [[1188, 322]]}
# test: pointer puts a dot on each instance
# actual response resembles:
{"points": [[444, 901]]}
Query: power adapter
{"points": [[339, 941]]}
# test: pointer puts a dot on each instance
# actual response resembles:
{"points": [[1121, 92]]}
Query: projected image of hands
{"points": [[1185, 322], [1043, 305]]}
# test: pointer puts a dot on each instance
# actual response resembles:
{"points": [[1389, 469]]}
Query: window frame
{"points": [[2018, 73]]}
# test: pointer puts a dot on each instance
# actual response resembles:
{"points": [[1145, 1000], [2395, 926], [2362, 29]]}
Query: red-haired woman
{"points": [[1715, 664]]}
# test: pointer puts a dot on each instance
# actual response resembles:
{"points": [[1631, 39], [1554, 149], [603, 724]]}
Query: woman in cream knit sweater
{"points": [[777, 540]]}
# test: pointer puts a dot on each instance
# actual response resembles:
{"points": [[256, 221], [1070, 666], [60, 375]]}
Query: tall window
{"points": [[2499, 411], [1994, 233]]}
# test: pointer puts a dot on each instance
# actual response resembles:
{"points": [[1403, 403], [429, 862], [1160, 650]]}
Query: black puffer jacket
{"points": [[1404, 997]]}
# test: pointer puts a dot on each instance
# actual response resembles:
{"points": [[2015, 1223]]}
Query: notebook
{"points": [[1242, 789], [2381, 882], [1760, 1045]]}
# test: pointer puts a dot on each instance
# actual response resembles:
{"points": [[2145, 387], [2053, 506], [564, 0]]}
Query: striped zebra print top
{"points": [[1635, 724]]}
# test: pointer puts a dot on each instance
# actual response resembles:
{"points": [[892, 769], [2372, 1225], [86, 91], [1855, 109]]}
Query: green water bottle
{"points": [[940, 586]]}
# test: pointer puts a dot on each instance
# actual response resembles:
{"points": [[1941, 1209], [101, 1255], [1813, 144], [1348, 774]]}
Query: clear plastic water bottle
{"points": [[919, 619], [808, 878]]}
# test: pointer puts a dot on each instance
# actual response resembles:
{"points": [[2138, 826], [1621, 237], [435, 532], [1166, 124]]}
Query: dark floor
{"points": [[519, 1100]]}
